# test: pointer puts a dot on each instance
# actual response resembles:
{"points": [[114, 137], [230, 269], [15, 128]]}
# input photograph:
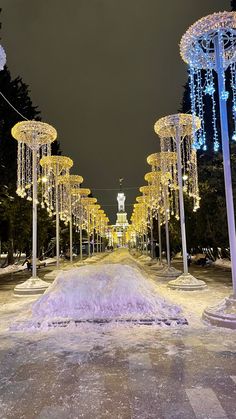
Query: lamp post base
{"points": [[33, 286], [222, 314], [151, 262], [157, 266], [169, 272], [53, 274], [187, 282]]}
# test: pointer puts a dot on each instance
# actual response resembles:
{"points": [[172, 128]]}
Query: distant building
{"points": [[120, 228]]}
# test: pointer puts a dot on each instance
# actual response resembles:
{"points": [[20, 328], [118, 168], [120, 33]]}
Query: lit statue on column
{"points": [[121, 220], [121, 198], [121, 202]]}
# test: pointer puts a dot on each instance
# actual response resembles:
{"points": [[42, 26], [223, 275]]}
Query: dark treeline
{"points": [[15, 212]]}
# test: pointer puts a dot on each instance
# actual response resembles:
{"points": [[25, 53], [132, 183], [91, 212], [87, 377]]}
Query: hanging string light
{"points": [[78, 209], [79, 212], [68, 185], [197, 48], [164, 167], [88, 202], [168, 128], [52, 168]]}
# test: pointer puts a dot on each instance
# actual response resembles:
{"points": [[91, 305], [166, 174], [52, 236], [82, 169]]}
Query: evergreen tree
{"points": [[15, 212], [233, 5]]}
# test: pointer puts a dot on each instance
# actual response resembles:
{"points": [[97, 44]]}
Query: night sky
{"points": [[102, 72]]}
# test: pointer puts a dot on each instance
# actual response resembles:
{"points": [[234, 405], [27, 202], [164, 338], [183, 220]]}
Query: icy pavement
{"points": [[117, 371]]}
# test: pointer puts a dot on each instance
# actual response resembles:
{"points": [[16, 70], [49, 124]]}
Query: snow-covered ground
{"points": [[223, 263], [19, 267], [115, 287], [116, 369], [12, 268]]}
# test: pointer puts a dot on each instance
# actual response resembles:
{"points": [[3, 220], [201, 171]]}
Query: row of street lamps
{"points": [[207, 45], [61, 194]]}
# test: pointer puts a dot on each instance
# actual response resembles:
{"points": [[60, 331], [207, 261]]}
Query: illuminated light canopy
{"points": [[199, 49], [78, 210], [53, 167], [171, 130], [82, 192], [74, 181], [34, 133], [197, 44], [168, 125], [32, 136]]}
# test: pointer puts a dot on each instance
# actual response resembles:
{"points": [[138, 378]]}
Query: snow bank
{"points": [[223, 263], [106, 291], [12, 269], [48, 261], [19, 267]]}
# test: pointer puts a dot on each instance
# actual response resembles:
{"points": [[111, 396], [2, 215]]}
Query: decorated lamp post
{"points": [[154, 182], [145, 219], [209, 44], [142, 221], [68, 184], [34, 140], [175, 132], [87, 203], [105, 228], [149, 197], [163, 178], [79, 213], [100, 219], [52, 168], [156, 179], [139, 223], [94, 217]]}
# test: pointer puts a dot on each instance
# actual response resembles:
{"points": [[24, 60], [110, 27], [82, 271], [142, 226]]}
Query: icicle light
{"points": [[52, 168]]}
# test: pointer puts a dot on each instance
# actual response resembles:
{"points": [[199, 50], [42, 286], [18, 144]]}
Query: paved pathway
{"points": [[121, 372]]}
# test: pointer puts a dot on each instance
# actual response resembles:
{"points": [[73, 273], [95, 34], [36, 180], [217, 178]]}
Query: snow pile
{"points": [[106, 291], [12, 269], [48, 261], [223, 263]]}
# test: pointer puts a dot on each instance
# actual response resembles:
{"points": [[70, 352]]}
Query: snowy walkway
{"points": [[118, 371]]}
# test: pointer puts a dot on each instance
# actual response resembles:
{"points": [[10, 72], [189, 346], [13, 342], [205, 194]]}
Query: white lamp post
{"points": [[68, 184], [53, 167], [175, 132], [34, 139], [209, 44]]}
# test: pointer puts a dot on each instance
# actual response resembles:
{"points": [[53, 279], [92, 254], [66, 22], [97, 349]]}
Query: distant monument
{"points": [[121, 220], [121, 198]]}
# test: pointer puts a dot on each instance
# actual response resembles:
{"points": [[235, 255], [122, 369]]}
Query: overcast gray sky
{"points": [[102, 72]]}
